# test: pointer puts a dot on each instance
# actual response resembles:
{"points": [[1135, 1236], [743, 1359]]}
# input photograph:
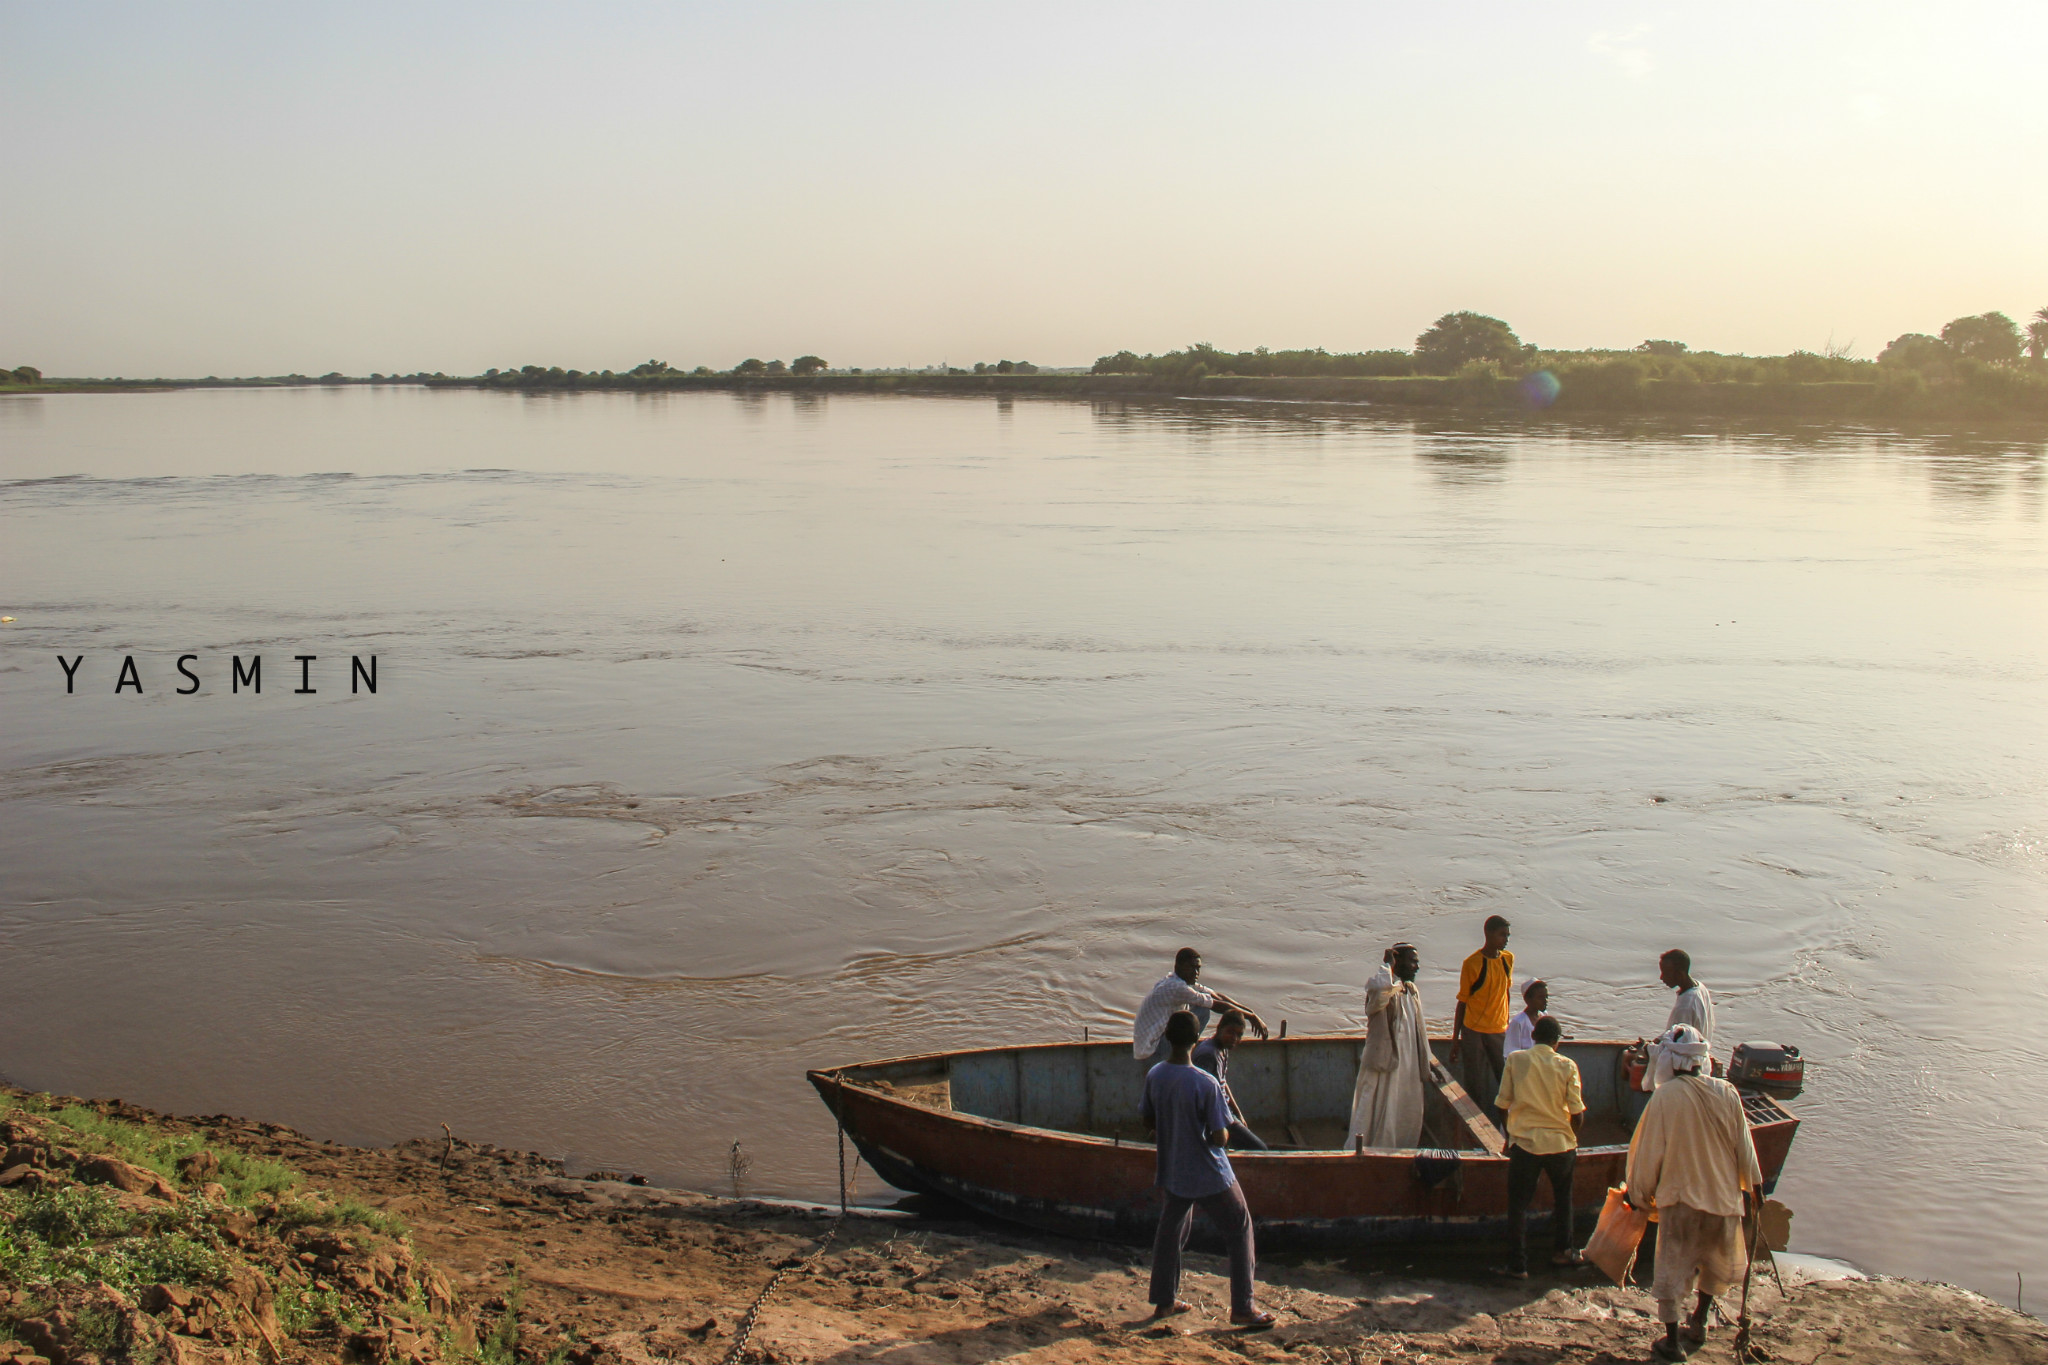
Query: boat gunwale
{"points": [[825, 1079]]}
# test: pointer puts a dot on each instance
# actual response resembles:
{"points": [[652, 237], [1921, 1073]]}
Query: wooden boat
{"points": [[1049, 1136]]}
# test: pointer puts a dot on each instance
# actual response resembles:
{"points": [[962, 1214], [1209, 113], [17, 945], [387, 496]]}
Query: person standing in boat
{"points": [[1479, 1030], [1693, 1161], [1178, 991], [1694, 1007], [1522, 1028], [1393, 1071], [1212, 1054], [1184, 1106]]}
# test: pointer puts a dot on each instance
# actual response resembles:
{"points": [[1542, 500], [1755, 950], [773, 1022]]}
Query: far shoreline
{"points": [[1833, 401]]}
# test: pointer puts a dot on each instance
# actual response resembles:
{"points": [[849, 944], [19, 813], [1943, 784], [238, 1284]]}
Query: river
{"points": [[720, 736]]}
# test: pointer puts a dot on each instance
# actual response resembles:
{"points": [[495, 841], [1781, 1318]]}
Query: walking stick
{"points": [[1746, 1350]]}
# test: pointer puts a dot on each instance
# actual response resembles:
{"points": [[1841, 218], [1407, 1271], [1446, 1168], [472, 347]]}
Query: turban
{"points": [[1679, 1048]]}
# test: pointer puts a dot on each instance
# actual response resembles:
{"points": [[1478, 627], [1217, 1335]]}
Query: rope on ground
{"points": [[753, 1313]]}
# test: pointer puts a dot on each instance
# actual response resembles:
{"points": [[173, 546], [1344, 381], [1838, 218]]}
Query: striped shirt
{"points": [[1169, 994]]}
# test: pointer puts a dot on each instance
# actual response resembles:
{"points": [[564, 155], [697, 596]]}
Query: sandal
{"points": [[1662, 1349], [1508, 1272], [1257, 1322], [1179, 1306], [1569, 1258]]}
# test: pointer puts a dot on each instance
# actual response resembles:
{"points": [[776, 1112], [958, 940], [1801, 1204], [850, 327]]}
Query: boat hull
{"points": [[1087, 1185]]}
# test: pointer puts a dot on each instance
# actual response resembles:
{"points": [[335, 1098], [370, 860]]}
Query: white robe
{"points": [[1393, 1069]]}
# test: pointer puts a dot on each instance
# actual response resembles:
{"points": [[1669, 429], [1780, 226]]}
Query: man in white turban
{"points": [[1679, 1049], [1692, 1160], [1386, 1102]]}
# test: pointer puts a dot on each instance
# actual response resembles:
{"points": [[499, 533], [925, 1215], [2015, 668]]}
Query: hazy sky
{"points": [[230, 189]]}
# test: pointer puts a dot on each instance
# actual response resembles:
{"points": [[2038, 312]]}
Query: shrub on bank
{"points": [[1603, 384]]}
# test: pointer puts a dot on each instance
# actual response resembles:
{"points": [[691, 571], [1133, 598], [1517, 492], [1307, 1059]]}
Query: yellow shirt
{"points": [[1486, 1009], [1539, 1091]]}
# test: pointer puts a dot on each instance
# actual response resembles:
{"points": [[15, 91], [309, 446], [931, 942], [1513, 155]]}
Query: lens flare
{"points": [[1541, 389]]}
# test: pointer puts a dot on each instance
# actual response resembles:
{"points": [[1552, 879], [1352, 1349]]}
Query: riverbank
{"points": [[1615, 388], [1993, 395], [218, 1240]]}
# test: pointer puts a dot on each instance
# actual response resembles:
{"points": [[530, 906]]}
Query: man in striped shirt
{"points": [[1179, 992]]}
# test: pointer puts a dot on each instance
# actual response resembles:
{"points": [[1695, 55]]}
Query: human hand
{"points": [[1258, 1024], [1456, 1044]]}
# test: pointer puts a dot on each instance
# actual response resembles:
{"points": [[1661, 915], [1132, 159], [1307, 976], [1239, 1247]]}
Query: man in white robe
{"points": [[1692, 1160], [1393, 1073]]}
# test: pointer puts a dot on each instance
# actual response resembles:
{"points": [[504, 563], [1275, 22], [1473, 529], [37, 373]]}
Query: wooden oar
{"points": [[1462, 1104]]}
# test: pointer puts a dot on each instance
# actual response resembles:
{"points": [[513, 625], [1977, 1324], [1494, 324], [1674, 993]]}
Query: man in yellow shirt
{"points": [[1479, 1030], [1539, 1091]]}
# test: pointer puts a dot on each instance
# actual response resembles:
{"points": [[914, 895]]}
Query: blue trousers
{"points": [[1232, 1217]]}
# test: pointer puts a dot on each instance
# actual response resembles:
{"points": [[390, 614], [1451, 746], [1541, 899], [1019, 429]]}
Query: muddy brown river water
{"points": [[718, 737]]}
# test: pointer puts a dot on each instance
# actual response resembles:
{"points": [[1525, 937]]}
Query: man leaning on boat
{"points": [[1178, 991]]}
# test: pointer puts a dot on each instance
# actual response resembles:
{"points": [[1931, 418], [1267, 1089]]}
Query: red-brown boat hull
{"points": [[1080, 1184]]}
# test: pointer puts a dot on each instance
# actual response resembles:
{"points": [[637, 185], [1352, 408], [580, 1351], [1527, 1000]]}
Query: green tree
{"points": [[1456, 339], [750, 366], [1123, 362], [1990, 337], [1917, 351], [806, 364], [777, 367], [1662, 348], [1804, 367], [2037, 335], [649, 368], [27, 374]]}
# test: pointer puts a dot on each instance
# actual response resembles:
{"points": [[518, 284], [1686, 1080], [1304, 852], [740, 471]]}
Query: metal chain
{"points": [[753, 1313]]}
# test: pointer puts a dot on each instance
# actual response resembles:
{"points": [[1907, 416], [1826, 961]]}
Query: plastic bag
{"points": [[1620, 1231]]}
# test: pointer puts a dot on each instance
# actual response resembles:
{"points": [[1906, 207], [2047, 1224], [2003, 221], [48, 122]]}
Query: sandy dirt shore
{"points": [[439, 1250]]}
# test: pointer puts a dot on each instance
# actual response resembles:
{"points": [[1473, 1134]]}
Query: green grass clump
{"points": [[500, 1345], [300, 1309], [246, 1178], [68, 1215], [315, 1213], [80, 1232]]}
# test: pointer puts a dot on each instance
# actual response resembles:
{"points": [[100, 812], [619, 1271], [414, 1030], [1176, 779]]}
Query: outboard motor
{"points": [[1776, 1069]]}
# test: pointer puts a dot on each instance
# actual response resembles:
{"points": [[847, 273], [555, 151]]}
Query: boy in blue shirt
{"points": [[1185, 1106]]}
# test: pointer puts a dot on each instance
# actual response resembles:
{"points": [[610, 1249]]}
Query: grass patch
{"points": [[79, 1232], [300, 1309], [315, 1213], [246, 1178], [500, 1345]]}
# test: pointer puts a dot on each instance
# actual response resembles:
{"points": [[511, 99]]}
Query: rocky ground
{"points": [[127, 1238]]}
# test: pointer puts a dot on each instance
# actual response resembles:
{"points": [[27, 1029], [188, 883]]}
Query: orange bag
{"points": [[1614, 1242]]}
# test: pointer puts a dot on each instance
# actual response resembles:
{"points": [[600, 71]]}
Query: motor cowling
{"points": [[1776, 1069]]}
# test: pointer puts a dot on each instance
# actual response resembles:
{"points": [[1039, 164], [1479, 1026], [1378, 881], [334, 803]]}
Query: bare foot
{"points": [[1179, 1306], [1254, 1322]]}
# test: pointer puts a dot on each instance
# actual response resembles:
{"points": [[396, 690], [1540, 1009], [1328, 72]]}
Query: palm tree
{"points": [[2037, 334]]}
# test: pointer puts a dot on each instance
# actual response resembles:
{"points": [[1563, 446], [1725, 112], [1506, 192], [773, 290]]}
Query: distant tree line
{"points": [[1985, 361]]}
